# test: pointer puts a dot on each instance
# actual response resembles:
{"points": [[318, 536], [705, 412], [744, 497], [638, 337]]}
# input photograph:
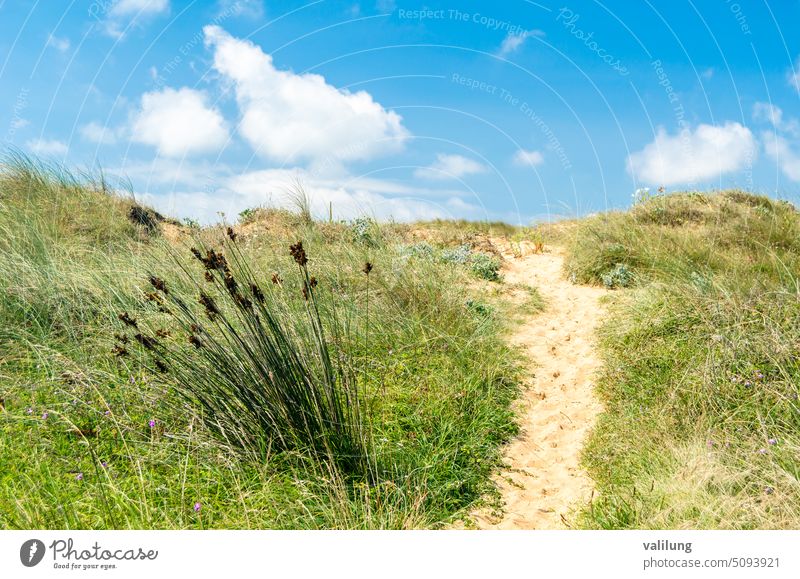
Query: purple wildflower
{"points": [[747, 383], [759, 375], [769, 490], [152, 423], [197, 507], [45, 415], [762, 451], [79, 476], [773, 441], [107, 413], [710, 443], [104, 464], [29, 410]]}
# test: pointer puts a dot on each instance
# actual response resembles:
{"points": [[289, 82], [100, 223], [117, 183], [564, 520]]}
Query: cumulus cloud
{"points": [[290, 117], [47, 147], [707, 152], [525, 158], [784, 154], [774, 115], [248, 8], [347, 197], [126, 12], [793, 75], [179, 122], [100, 134], [60, 44], [512, 42], [450, 167], [776, 144]]}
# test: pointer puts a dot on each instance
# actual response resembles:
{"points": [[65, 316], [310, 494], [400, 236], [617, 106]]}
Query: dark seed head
{"points": [[367, 267], [257, 293], [231, 234], [196, 253], [312, 282], [159, 284], [209, 304], [276, 279], [195, 341], [146, 341], [162, 333], [298, 253], [119, 351], [153, 297], [209, 276], [230, 283], [195, 329], [161, 366], [122, 338], [128, 320]]}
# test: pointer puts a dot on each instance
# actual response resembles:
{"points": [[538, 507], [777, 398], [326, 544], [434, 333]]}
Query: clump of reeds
{"points": [[261, 373]]}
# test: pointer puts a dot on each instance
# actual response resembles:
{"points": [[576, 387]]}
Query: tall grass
{"points": [[701, 379], [89, 440], [262, 374]]}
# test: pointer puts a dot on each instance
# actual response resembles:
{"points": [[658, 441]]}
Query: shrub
{"points": [[247, 215], [365, 231], [620, 276], [421, 250], [485, 266], [459, 255]]}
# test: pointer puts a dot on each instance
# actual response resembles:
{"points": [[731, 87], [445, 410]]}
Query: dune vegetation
{"points": [[702, 362], [277, 371]]}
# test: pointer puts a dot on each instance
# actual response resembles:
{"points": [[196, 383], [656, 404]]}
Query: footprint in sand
{"points": [[545, 449]]}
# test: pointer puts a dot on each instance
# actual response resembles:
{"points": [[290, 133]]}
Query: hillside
{"points": [[281, 372]]}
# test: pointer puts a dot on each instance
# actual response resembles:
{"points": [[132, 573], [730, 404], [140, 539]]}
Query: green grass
{"points": [[702, 363], [76, 446]]}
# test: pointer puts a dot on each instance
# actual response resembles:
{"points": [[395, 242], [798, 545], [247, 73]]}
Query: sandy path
{"points": [[544, 481]]}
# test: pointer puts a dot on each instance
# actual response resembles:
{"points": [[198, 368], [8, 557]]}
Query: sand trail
{"points": [[543, 480]]}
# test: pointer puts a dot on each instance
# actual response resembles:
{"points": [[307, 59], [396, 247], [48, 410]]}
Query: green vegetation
{"points": [[155, 374], [702, 369], [409, 380]]}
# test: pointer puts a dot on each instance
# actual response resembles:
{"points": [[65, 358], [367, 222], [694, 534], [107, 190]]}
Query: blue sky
{"points": [[514, 110]]}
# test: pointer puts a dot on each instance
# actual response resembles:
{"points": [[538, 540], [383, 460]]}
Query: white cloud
{"points": [[528, 158], [385, 5], [126, 13], [291, 117], [450, 167], [60, 44], [793, 75], [248, 8], [47, 147], [787, 158], [348, 198], [178, 123], [707, 152], [122, 8], [512, 42], [774, 115], [707, 73], [97, 133]]}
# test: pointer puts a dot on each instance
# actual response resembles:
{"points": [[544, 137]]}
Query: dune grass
{"points": [[702, 363], [92, 440]]}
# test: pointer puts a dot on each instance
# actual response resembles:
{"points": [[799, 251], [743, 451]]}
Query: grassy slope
{"points": [[702, 422], [76, 448]]}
